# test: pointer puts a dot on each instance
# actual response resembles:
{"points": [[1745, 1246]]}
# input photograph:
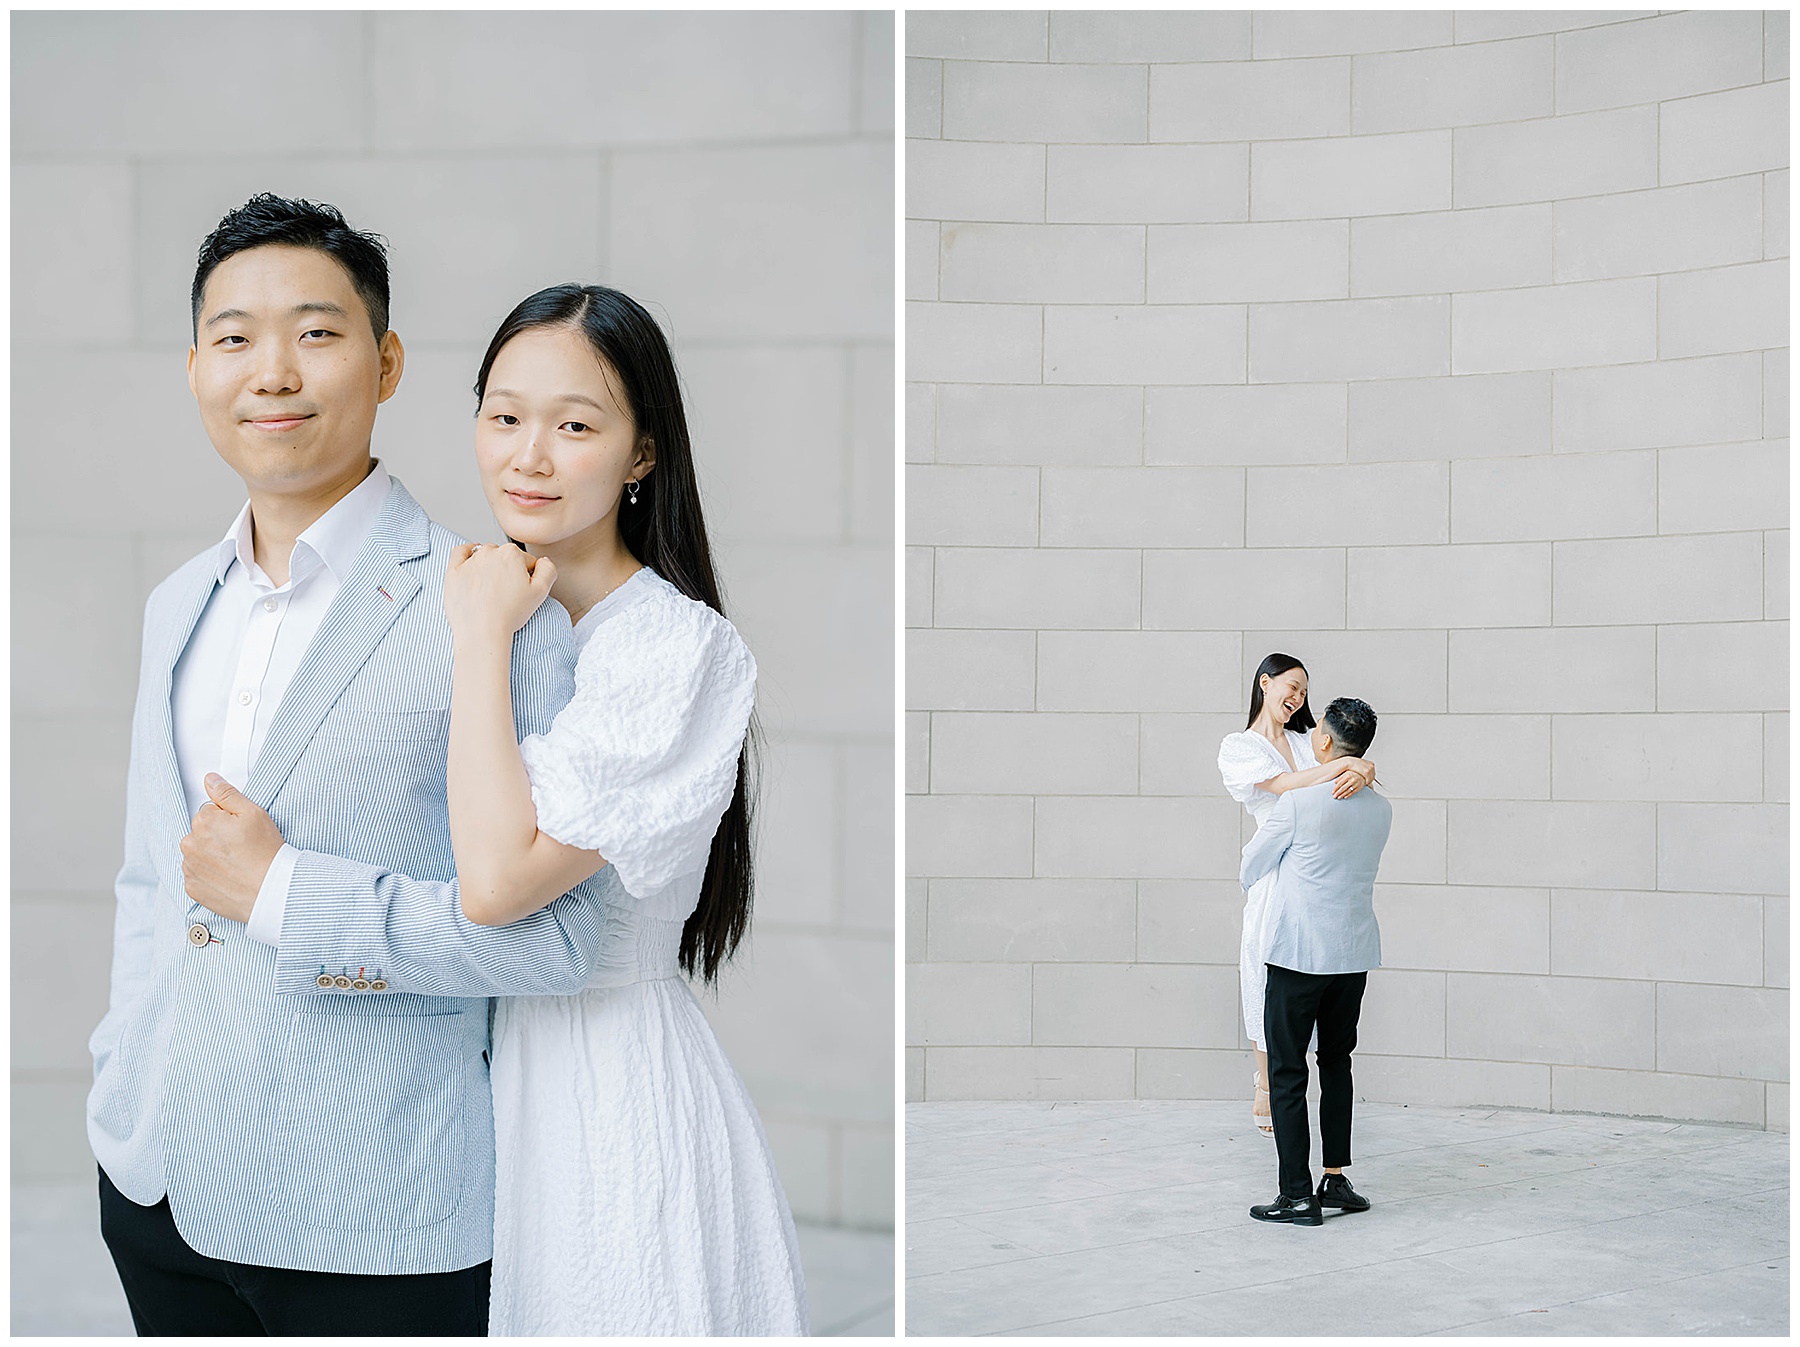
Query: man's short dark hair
{"points": [[1351, 725], [267, 218]]}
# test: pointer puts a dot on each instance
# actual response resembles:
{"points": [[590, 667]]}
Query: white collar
{"points": [[332, 540]]}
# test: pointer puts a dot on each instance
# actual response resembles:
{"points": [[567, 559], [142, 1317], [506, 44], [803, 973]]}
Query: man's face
{"points": [[287, 371]]}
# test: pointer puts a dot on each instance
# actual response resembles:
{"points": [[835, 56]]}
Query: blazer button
{"points": [[325, 980], [340, 981], [198, 936], [361, 984], [378, 984]]}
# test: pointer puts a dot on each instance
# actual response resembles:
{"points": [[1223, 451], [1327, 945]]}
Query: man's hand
{"points": [[229, 851]]}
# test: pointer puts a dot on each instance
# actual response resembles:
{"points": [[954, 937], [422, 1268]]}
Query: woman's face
{"points": [[1284, 694], [554, 440]]}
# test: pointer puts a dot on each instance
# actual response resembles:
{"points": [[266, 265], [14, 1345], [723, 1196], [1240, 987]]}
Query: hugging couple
{"points": [[379, 776]]}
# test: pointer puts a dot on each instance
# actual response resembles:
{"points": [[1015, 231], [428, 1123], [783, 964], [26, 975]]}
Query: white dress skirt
{"points": [[1245, 758], [634, 1189]]}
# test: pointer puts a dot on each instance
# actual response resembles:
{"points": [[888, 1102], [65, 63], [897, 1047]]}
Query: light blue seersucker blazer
{"points": [[291, 1125]]}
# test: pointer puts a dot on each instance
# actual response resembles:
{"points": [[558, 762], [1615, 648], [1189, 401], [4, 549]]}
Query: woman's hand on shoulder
{"points": [[1356, 773], [494, 589]]}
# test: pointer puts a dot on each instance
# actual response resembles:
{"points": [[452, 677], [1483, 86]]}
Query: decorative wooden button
{"points": [[361, 984], [378, 984], [341, 981], [198, 936], [325, 980]]}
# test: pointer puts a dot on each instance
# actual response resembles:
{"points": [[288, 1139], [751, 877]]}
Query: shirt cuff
{"points": [[264, 925]]}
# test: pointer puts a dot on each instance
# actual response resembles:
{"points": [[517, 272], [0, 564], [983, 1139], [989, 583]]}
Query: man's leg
{"points": [[338, 1304], [1290, 1006], [1340, 1005], [172, 1289]]}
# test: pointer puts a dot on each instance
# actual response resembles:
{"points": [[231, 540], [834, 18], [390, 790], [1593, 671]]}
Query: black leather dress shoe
{"points": [[1286, 1210], [1335, 1191]]}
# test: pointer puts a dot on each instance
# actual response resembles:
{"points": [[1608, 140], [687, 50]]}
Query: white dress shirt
{"points": [[249, 640]]}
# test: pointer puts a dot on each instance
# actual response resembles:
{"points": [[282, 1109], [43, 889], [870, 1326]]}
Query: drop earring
{"points": [[631, 492]]}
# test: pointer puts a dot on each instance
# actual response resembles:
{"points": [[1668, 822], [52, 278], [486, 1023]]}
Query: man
{"points": [[301, 1141], [1323, 940]]}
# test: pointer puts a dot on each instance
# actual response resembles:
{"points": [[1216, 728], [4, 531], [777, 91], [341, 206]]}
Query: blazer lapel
{"points": [[189, 602], [371, 597]]}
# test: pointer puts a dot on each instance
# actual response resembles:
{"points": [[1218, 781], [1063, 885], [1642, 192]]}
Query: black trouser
{"points": [[1292, 1005], [175, 1291]]}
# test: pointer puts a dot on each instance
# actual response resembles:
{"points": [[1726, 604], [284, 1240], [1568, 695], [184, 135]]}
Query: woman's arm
{"points": [[506, 868], [1361, 770]]}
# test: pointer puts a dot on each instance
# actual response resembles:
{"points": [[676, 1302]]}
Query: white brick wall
{"points": [[1457, 367], [490, 181]]}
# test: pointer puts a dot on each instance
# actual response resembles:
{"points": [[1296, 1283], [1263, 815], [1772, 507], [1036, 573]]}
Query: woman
{"points": [[1271, 755]]}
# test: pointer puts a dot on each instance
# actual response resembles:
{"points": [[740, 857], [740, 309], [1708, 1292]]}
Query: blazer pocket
{"points": [[361, 726], [371, 1118]]}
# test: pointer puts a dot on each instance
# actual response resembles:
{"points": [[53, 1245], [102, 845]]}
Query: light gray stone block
{"points": [[1148, 184], [1722, 1031], [77, 235], [875, 87], [1415, 852], [1249, 100], [75, 755], [1299, 32], [1063, 264], [1134, 1005], [979, 35], [974, 343], [1775, 756], [1349, 339], [1462, 585], [1402, 1014], [1022, 588], [1359, 175], [797, 828], [1554, 669], [1649, 60], [954, 835], [809, 252], [1775, 44], [1143, 507], [1014, 753], [1742, 308], [1775, 394], [924, 98], [1532, 844], [964, 505], [1656, 1094], [1467, 929], [1775, 1106], [1145, 344], [1359, 504], [1462, 757], [915, 1075], [1454, 86], [866, 1183], [1394, 671], [74, 982], [1712, 400], [1730, 486], [1552, 496], [971, 670], [1189, 921], [1028, 1073], [1467, 416], [872, 442], [1032, 920], [1192, 1073], [49, 1139], [1232, 263], [1562, 1021], [1078, 104], [970, 180], [1137, 838], [1775, 214], [1587, 323], [1484, 25], [1718, 135], [1254, 425], [1775, 574], [1722, 848], [918, 754], [1708, 757], [866, 903], [997, 424], [803, 1154], [1150, 35], [1581, 155], [1178, 754], [920, 567], [921, 422], [1446, 1081], [1676, 579], [1775, 942], [117, 84], [968, 1003], [92, 662], [1137, 671], [1226, 590], [474, 79], [1657, 937], [1443, 251], [1665, 229], [1722, 666], [918, 928]]}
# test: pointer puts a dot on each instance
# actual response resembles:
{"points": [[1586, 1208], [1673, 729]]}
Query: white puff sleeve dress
{"points": [[1245, 758], [634, 1189]]}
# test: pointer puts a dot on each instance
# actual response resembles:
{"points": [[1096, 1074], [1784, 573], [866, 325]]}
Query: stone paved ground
{"points": [[1131, 1218]]}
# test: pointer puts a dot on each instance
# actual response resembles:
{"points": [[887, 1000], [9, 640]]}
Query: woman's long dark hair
{"points": [[1274, 666], [666, 532]]}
